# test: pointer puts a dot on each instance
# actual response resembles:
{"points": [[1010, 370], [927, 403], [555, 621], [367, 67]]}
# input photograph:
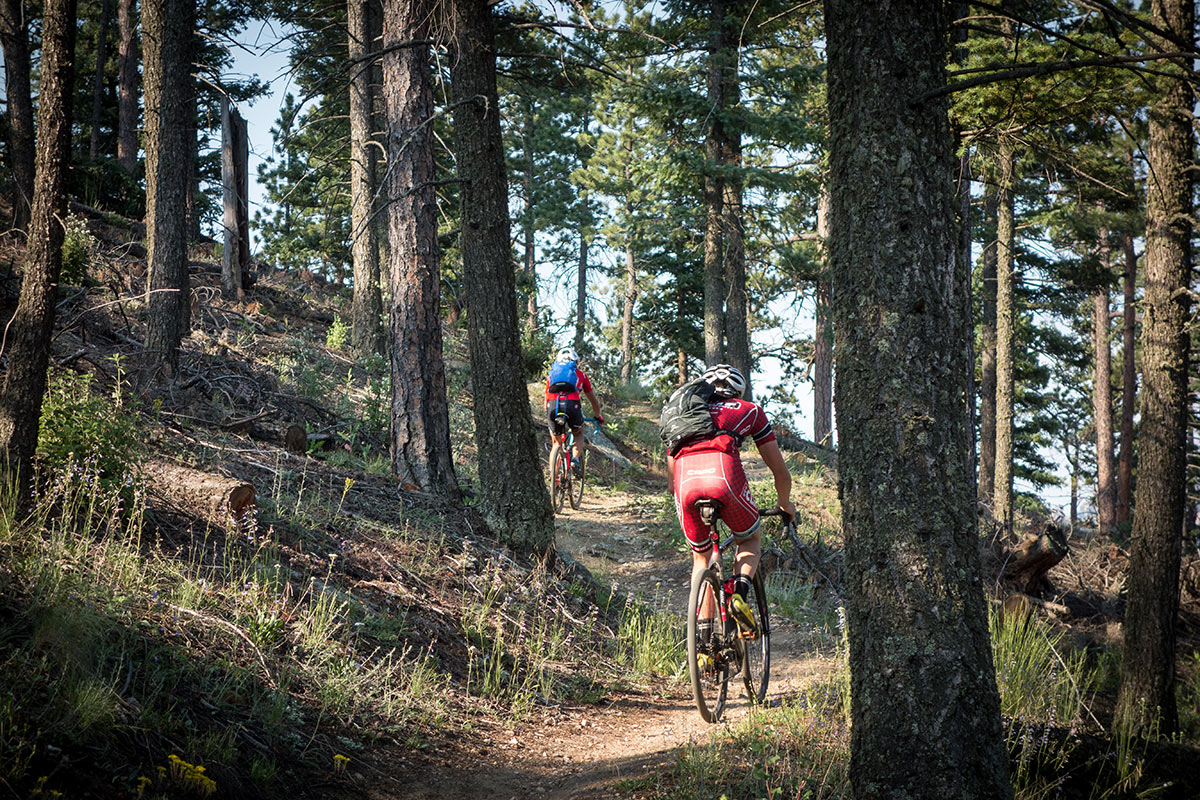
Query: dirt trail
{"points": [[583, 752]]}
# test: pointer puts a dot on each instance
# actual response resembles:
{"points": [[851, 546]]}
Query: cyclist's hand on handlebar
{"points": [[599, 419], [789, 510]]}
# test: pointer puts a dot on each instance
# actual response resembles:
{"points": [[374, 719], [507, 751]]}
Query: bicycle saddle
{"points": [[708, 509]]}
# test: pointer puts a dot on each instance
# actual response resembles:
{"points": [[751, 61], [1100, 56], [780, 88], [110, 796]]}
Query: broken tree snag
{"points": [[1028, 562], [214, 498]]}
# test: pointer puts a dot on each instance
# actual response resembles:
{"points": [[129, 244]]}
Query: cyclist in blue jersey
{"points": [[563, 386]]}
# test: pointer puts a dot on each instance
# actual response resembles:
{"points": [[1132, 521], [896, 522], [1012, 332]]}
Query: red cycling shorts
{"points": [[713, 475]]}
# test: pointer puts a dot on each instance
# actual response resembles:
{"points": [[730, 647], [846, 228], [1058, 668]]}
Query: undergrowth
{"points": [[230, 659]]}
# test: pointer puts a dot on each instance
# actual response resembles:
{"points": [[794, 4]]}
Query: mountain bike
{"points": [[724, 651], [564, 483]]}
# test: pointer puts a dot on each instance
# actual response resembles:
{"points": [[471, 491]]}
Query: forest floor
{"points": [[272, 634], [603, 751]]}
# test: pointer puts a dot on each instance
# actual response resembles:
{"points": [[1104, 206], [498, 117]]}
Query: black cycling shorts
{"points": [[570, 408]]}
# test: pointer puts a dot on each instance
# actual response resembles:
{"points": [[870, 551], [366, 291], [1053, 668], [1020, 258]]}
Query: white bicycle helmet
{"points": [[567, 354], [727, 379]]}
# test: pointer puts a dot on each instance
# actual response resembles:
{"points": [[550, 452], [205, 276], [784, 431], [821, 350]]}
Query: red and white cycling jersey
{"points": [[712, 470]]}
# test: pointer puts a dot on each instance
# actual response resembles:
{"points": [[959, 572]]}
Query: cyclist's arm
{"points": [[591, 396], [773, 458], [671, 472]]}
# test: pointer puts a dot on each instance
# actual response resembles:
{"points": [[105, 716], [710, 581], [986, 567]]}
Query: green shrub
{"points": [[79, 424], [537, 351], [338, 335], [78, 247]]}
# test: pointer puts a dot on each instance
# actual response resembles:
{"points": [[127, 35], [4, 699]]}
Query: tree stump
{"points": [[1027, 563], [214, 498]]}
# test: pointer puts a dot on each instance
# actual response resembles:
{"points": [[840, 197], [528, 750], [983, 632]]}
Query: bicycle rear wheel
{"points": [[707, 665], [558, 479], [756, 655], [576, 495]]}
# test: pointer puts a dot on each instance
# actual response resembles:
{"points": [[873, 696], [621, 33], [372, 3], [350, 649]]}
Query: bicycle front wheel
{"points": [[756, 658], [708, 666], [577, 480], [558, 479]]}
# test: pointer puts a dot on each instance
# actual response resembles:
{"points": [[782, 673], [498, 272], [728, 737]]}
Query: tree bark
{"points": [[1146, 698], [920, 654], [714, 195], [366, 304], [30, 328], [235, 256], [823, 336], [1006, 320], [14, 37], [127, 80], [216, 499], [528, 223], [167, 27], [987, 356], [514, 503], [581, 292], [1102, 411], [1128, 384], [737, 306], [420, 423], [1026, 565], [630, 297], [98, 78]]}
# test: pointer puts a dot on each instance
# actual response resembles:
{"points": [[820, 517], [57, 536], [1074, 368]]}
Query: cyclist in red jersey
{"points": [[711, 469], [563, 385]]}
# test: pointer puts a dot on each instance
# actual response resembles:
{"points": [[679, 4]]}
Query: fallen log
{"points": [[214, 498], [1026, 564]]}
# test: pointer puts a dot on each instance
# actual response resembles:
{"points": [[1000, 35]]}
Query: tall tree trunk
{"points": [[420, 422], [916, 618], [630, 296], [823, 335], [1102, 410], [528, 226], [380, 217], [714, 194], [515, 502], [366, 305], [960, 53], [987, 355], [191, 204], [1128, 384], [98, 78], [1006, 322], [127, 81], [1146, 698], [167, 27], [30, 327], [14, 37], [737, 306], [581, 292], [235, 178]]}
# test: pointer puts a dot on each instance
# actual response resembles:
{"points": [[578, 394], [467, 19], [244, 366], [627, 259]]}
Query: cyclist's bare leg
{"points": [[748, 553], [577, 446]]}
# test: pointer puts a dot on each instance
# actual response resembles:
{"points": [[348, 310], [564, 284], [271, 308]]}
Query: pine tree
{"points": [[14, 38], [514, 501], [902, 380], [28, 334], [167, 27], [420, 424]]}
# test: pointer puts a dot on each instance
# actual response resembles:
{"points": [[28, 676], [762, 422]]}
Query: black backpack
{"points": [[685, 418]]}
